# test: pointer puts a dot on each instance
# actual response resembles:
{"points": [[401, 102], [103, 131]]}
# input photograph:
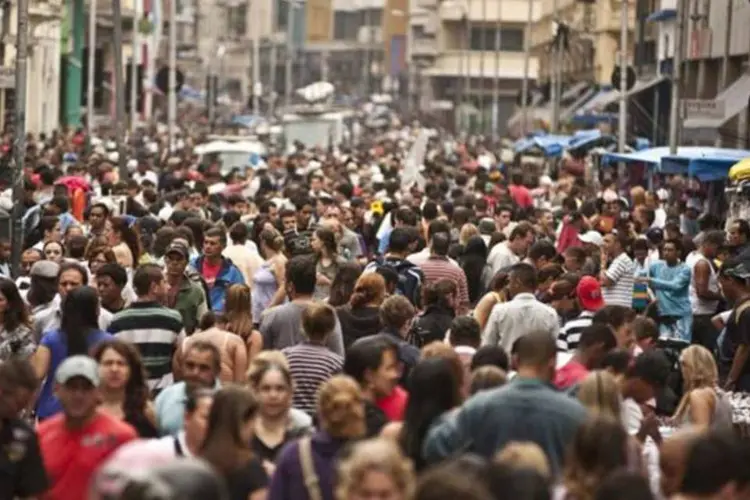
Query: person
{"points": [[595, 342], [238, 318], [714, 468], [76, 442], [153, 328], [361, 316], [123, 387], [246, 260], [620, 319], [269, 289], [218, 272], [702, 404], [624, 485], [734, 344], [25, 475], [200, 369], [409, 276], [704, 288], [227, 443], [600, 394], [473, 261], [643, 379], [397, 315], [342, 286], [311, 363], [589, 300], [184, 294], [78, 333], [509, 253], [16, 336], [341, 417], [440, 300], [281, 326], [327, 261], [234, 360], [673, 456], [437, 267], [521, 316], [375, 468], [527, 408], [54, 251], [124, 242], [187, 442], [111, 280], [618, 277]]}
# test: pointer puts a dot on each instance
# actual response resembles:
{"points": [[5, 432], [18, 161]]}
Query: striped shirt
{"points": [[437, 268], [311, 366], [622, 274], [570, 333], [154, 330]]}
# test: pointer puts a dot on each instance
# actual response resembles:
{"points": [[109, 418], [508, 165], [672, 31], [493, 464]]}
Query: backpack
{"points": [[410, 277]]}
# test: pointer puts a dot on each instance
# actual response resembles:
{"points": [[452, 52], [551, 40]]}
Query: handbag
{"points": [[312, 483]]}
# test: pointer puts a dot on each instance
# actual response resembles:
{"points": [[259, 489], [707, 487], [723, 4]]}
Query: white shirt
{"points": [[146, 176], [699, 305], [420, 258], [521, 316], [622, 274], [501, 256], [167, 445]]}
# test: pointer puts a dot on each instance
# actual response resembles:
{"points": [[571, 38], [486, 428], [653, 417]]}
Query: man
{"points": [[218, 272], [184, 294], [151, 327], [540, 254], [247, 261], [349, 241], [595, 342], [281, 326], [644, 379], [522, 315], [23, 470], [296, 242], [201, 366], [111, 279], [187, 442], [508, 253], [29, 257], [673, 457], [589, 298], [76, 442], [738, 238], [519, 192], [704, 289], [49, 227], [97, 220], [527, 409], [410, 276], [434, 227], [504, 220], [437, 267], [617, 279], [734, 344]]}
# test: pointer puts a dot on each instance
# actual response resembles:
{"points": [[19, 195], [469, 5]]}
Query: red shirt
{"points": [[570, 374], [72, 456], [210, 272], [521, 196], [394, 405]]}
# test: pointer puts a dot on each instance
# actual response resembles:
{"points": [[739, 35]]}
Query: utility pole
{"points": [[724, 74], [119, 90], [19, 150], [555, 69], [134, 111], [172, 94], [623, 121], [90, 72], [674, 110], [257, 86], [367, 59], [526, 61], [482, 86], [496, 79], [461, 86], [291, 54], [467, 55]]}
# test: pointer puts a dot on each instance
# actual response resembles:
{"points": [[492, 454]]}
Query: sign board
{"points": [[7, 77], [703, 108]]}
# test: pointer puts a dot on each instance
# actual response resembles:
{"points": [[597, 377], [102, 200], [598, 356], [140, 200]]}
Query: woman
{"points": [[343, 284], [703, 404], [98, 256], [79, 332], [439, 299], [54, 251], [238, 319], [361, 316], [341, 420], [472, 261], [327, 261], [599, 393], [497, 294], [123, 388], [227, 443], [274, 427], [125, 243], [375, 469], [231, 347], [269, 280], [16, 335]]}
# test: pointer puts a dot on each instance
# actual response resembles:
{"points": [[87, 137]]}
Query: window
{"points": [[484, 38], [282, 12], [238, 20]]}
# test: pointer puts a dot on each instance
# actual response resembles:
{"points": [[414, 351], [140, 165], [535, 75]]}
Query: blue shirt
{"points": [[170, 408], [671, 285], [48, 404]]}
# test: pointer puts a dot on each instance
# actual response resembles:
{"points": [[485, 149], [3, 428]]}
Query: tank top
{"points": [[700, 306]]}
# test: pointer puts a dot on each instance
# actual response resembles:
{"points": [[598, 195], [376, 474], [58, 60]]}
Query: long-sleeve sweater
{"points": [[671, 285]]}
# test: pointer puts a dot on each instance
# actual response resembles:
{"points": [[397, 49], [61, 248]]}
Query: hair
{"points": [[205, 346], [80, 309], [18, 372], [596, 334], [76, 245], [600, 447], [645, 328], [485, 378], [16, 312], [451, 480], [195, 224], [343, 283], [374, 454], [542, 249], [490, 355], [599, 393], [464, 330], [369, 289], [238, 317], [214, 232], [136, 389], [617, 361], [238, 233], [318, 321], [129, 236], [145, 276], [272, 239], [396, 311], [624, 485], [340, 408], [399, 240], [652, 367], [467, 231], [48, 222], [522, 230], [437, 292], [614, 316], [272, 361], [698, 371], [524, 455], [366, 354], [115, 271], [223, 446], [93, 250], [328, 239], [714, 460], [535, 348], [525, 274], [301, 274]]}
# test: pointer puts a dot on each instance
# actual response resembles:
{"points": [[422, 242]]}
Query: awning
{"points": [[569, 111], [662, 15], [707, 164], [735, 99]]}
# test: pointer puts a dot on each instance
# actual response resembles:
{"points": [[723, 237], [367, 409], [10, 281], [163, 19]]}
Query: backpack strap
{"points": [[312, 483]]}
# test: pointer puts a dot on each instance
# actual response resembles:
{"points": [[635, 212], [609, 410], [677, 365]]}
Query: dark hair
{"points": [[343, 283], [16, 312], [162, 238], [624, 485], [18, 372], [437, 292], [522, 230], [617, 360], [115, 271], [542, 248], [613, 315], [525, 274], [645, 328], [301, 274], [80, 317], [505, 481], [328, 239], [712, 462], [652, 367], [425, 404], [215, 232], [597, 334], [230, 217], [440, 243], [195, 396], [318, 321], [465, 331], [129, 236], [48, 222], [640, 244], [367, 354], [76, 246], [677, 245], [73, 266], [196, 226], [136, 389], [438, 226], [238, 233], [430, 211], [714, 237], [490, 355], [399, 240], [145, 276], [743, 227]]}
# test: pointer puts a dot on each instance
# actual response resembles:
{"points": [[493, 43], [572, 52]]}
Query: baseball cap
{"points": [[78, 366], [45, 269], [177, 247], [593, 237], [589, 293]]}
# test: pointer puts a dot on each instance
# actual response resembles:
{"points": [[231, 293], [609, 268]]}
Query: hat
{"points": [[593, 237], [177, 247], [45, 269], [78, 366], [589, 294]]}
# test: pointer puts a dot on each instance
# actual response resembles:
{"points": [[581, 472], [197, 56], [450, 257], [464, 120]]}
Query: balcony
{"points": [[510, 65], [424, 47], [509, 11]]}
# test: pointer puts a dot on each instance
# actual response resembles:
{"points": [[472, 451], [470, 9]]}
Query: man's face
{"points": [[304, 215], [4, 250], [670, 253], [69, 280], [273, 213], [332, 212], [212, 246], [53, 234], [13, 400], [175, 264], [197, 200], [198, 369], [78, 397], [109, 292], [159, 290], [610, 244], [289, 223], [316, 184], [28, 259], [734, 236], [241, 208], [503, 219], [97, 218]]}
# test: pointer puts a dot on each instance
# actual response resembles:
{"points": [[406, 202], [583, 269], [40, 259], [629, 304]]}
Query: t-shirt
{"points": [[246, 480], [209, 272], [622, 273], [570, 374], [394, 405], [737, 333], [72, 456]]}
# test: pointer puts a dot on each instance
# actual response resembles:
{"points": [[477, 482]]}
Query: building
{"points": [[471, 52]]}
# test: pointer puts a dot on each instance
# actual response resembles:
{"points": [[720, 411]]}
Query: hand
{"points": [[730, 385], [642, 279], [322, 280], [650, 427]]}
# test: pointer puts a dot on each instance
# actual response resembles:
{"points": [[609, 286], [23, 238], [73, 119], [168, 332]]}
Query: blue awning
{"points": [[662, 15], [707, 164], [549, 145], [587, 139]]}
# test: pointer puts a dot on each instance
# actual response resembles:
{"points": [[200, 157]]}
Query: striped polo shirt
{"points": [[154, 330], [436, 268], [622, 273], [311, 366]]}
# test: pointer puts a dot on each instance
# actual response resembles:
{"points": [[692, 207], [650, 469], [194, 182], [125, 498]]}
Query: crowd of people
{"points": [[314, 329]]}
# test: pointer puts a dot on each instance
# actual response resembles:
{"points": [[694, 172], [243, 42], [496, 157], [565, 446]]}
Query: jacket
{"points": [[191, 304], [358, 323], [228, 275]]}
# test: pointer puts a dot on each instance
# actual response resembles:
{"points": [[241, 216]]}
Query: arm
{"points": [[491, 334], [680, 282], [240, 360], [255, 345], [40, 362], [335, 341], [258, 495], [150, 412], [266, 332], [738, 363], [463, 295], [448, 438], [483, 309], [280, 274], [702, 275]]}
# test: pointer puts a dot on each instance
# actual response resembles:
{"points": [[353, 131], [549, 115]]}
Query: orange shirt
{"points": [[72, 456]]}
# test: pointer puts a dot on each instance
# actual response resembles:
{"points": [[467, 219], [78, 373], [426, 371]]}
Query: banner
{"points": [[319, 21]]}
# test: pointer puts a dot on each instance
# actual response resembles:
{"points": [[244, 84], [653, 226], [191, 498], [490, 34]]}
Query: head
{"points": [[620, 320], [490, 355], [599, 393], [29, 257], [646, 376], [323, 242], [301, 276], [201, 365], [54, 251], [738, 233], [373, 363], [121, 369], [98, 215], [368, 291], [50, 228], [713, 241], [595, 342], [521, 238], [340, 408], [646, 332], [76, 386], [536, 355], [342, 287], [523, 455], [273, 386], [176, 259], [149, 283], [671, 251], [197, 411], [71, 276], [542, 253], [230, 428], [733, 279], [318, 322], [110, 281], [698, 368], [214, 242], [397, 314], [99, 255], [13, 310], [18, 383], [615, 244], [522, 279], [375, 469], [465, 331]]}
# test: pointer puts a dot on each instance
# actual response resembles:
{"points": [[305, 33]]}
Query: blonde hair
{"points": [[467, 231], [699, 371], [524, 455], [600, 394], [238, 317], [340, 408], [263, 362], [377, 454]]}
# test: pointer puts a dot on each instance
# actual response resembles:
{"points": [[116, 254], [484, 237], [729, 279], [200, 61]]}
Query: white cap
{"points": [[593, 237]]}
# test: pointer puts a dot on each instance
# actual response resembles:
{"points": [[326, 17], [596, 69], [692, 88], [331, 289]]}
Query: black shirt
{"points": [[737, 334], [246, 480], [22, 472]]}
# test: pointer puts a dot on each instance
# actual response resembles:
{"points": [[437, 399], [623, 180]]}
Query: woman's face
{"points": [[386, 377], [96, 262], [53, 252], [376, 485], [316, 244], [274, 393], [196, 423], [114, 370], [73, 231]]}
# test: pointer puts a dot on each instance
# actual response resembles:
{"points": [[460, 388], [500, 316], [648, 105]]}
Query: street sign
{"points": [[7, 77], [703, 108]]}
